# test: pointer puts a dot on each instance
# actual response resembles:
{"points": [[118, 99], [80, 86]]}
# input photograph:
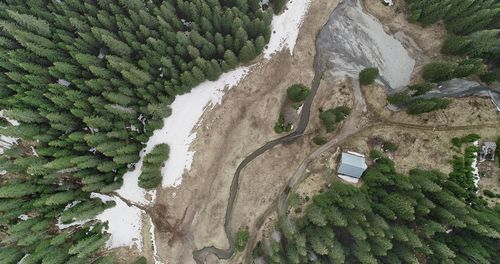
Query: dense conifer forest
{"points": [[423, 217], [474, 27], [89, 82]]}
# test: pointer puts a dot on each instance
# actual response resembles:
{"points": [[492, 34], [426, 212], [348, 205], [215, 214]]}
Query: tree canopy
{"points": [[392, 218], [89, 82], [368, 75], [298, 92]]}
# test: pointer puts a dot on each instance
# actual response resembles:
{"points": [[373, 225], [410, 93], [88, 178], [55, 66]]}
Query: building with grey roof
{"points": [[352, 165]]}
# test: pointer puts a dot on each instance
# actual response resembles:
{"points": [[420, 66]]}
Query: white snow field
{"points": [[125, 223], [285, 27]]}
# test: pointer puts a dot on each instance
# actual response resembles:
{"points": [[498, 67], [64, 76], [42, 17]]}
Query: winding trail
{"points": [[352, 126], [200, 255]]}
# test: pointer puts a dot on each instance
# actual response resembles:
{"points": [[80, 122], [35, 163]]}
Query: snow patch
{"points": [[63, 82], [475, 169], [23, 217], [11, 121], [285, 27], [153, 242], [124, 223], [178, 128]]}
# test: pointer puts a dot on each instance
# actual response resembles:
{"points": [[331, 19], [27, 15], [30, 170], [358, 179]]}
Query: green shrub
{"points": [[331, 117], [278, 5], [280, 127], [297, 92], [150, 176], [376, 154], [471, 138], [421, 88], [367, 76], [141, 260], [439, 71], [490, 193], [389, 146], [444, 71], [457, 142], [419, 106], [469, 67], [319, 140], [399, 98], [491, 76], [242, 237], [294, 200]]}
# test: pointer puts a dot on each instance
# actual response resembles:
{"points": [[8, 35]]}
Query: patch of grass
{"points": [[491, 194], [420, 105], [280, 127], [376, 154], [389, 146], [294, 200], [242, 237], [331, 117], [367, 76], [319, 140], [421, 88]]}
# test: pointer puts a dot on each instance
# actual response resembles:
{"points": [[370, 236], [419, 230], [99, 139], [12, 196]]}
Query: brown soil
{"points": [[240, 124], [191, 216]]}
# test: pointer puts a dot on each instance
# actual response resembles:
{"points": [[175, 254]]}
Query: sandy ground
{"points": [[190, 216]]}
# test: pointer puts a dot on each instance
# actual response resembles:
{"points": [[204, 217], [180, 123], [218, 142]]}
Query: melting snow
{"points": [[11, 121], [177, 130], [124, 222], [285, 27], [63, 82], [475, 170], [389, 2]]}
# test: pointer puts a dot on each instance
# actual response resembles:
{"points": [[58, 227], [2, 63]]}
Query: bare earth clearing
{"points": [[226, 134], [191, 216]]}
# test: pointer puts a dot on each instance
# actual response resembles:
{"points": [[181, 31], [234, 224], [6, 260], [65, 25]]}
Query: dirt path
{"points": [[353, 125], [225, 136]]}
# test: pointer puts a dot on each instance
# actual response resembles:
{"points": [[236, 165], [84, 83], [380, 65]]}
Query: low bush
{"points": [[297, 93], [367, 76], [281, 127], [376, 154], [242, 237], [399, 98], [490, 193], [471, 138], [421, 88], [319, 140], [389, 146], [150, 176], [419, 106], [457, 142], [444, 71], [331, 117]]}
